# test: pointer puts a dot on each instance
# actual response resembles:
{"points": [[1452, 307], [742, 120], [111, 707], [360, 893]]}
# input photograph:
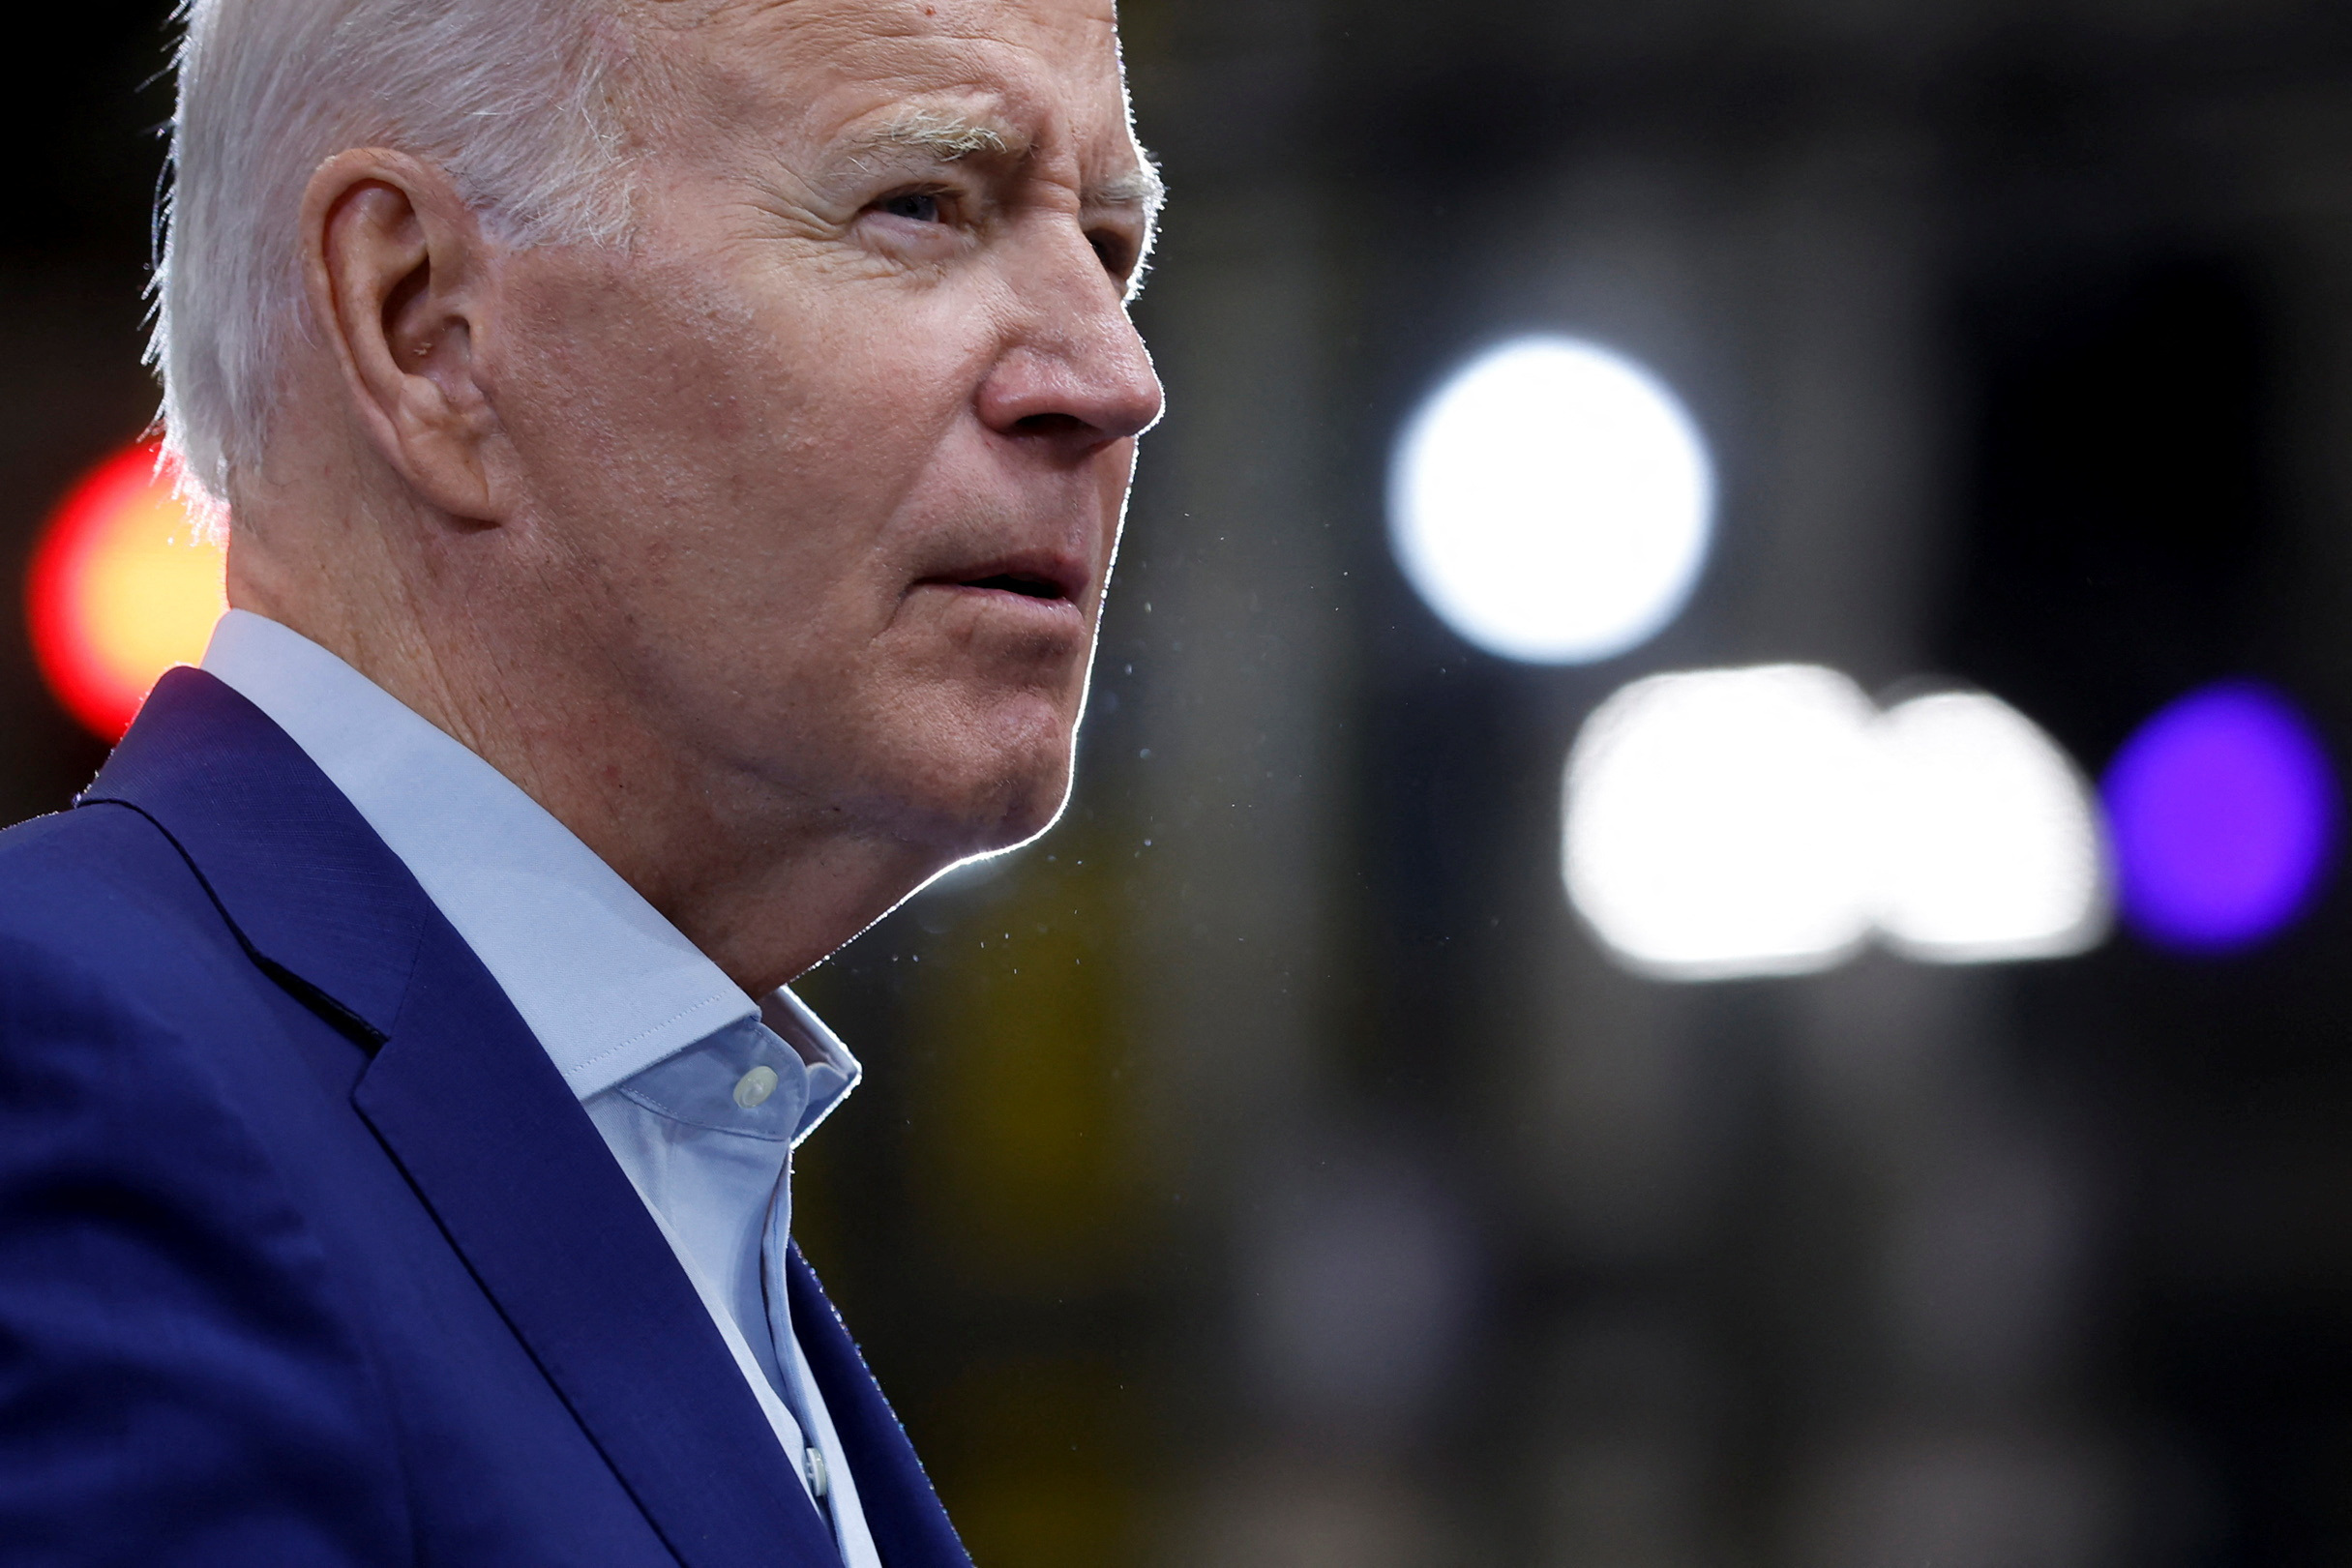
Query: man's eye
{"points": [[1116, 252], [915, 206]]}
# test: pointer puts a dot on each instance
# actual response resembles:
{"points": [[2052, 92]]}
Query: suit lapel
{"points": [[464, 1099], [491, 1135], [910, 1528]]}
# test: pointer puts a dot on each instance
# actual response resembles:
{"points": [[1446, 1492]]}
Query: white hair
{"points": [[513, 99]]}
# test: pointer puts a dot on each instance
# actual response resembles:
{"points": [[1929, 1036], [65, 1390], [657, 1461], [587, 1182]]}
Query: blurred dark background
{"points": [[1266, 1168]]}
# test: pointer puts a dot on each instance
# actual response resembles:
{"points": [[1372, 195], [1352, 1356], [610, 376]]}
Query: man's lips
{"points": [[1011, 584], [1044, 578]]}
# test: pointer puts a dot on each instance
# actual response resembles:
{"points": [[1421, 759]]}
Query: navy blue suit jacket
{"points": [[308, 1255]]}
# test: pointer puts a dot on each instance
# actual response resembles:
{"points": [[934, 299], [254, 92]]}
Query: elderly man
{"points": [[672, 452]]}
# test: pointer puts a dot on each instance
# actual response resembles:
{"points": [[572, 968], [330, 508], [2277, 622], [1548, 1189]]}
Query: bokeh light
{"points": [[124, 585], [1717, 823], [1991, 848], [2224, 813], [1766, 821], [1552, 502]]}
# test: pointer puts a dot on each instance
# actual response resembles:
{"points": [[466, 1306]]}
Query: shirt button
{"points": [[754, 1087], [820, 1480]]}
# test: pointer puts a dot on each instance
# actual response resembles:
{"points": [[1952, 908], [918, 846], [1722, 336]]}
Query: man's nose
{"points": [[1079, 378]]}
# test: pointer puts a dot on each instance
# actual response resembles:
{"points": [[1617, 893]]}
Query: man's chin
{"points": [[967, 771], [1021, 814], [984, 812]]}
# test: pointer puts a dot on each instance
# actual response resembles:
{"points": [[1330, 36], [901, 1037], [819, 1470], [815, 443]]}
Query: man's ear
{"points": [[394, 261]]}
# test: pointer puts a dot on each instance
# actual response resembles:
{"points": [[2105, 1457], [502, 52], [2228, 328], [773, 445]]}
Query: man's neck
{"points": [[767, 887]]}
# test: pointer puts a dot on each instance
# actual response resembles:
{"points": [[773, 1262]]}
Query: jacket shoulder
{"points": [[95, 850], [105, 883]]}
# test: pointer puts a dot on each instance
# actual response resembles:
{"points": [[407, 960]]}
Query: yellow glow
{"points": [[124, 585], [152, 590]]}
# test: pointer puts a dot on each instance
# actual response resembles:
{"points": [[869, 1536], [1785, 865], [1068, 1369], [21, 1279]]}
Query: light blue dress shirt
{"points": [[701, 1093]]}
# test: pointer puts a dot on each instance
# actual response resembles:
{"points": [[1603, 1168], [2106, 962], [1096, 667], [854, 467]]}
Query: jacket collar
{"points": [[463, 1098], [312, 894]]}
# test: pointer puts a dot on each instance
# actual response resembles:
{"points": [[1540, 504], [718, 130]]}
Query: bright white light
{"points": [[1992, 847], [1712, 821], [1552, 502], [1764, 821]]}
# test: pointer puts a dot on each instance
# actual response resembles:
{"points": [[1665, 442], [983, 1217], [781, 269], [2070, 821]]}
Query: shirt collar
{"points": [[607, 984], [819, 1049]]}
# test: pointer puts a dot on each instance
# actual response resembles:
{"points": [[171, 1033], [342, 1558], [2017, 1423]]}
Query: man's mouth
{"points": [[1043, 575], [1015, 582]]}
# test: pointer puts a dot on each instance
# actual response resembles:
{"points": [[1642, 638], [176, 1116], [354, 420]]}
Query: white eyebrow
{"points": [[1143, 187], [948, 137]]}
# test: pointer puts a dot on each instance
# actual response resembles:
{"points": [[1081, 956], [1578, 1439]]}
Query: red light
{"points": [[125, 584]]}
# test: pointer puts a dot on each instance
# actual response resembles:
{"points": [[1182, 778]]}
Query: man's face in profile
{"points": [[831, 460]]}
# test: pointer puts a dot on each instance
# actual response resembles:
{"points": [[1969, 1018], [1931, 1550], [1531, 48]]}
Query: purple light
{"points": [[2223, 811]]}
